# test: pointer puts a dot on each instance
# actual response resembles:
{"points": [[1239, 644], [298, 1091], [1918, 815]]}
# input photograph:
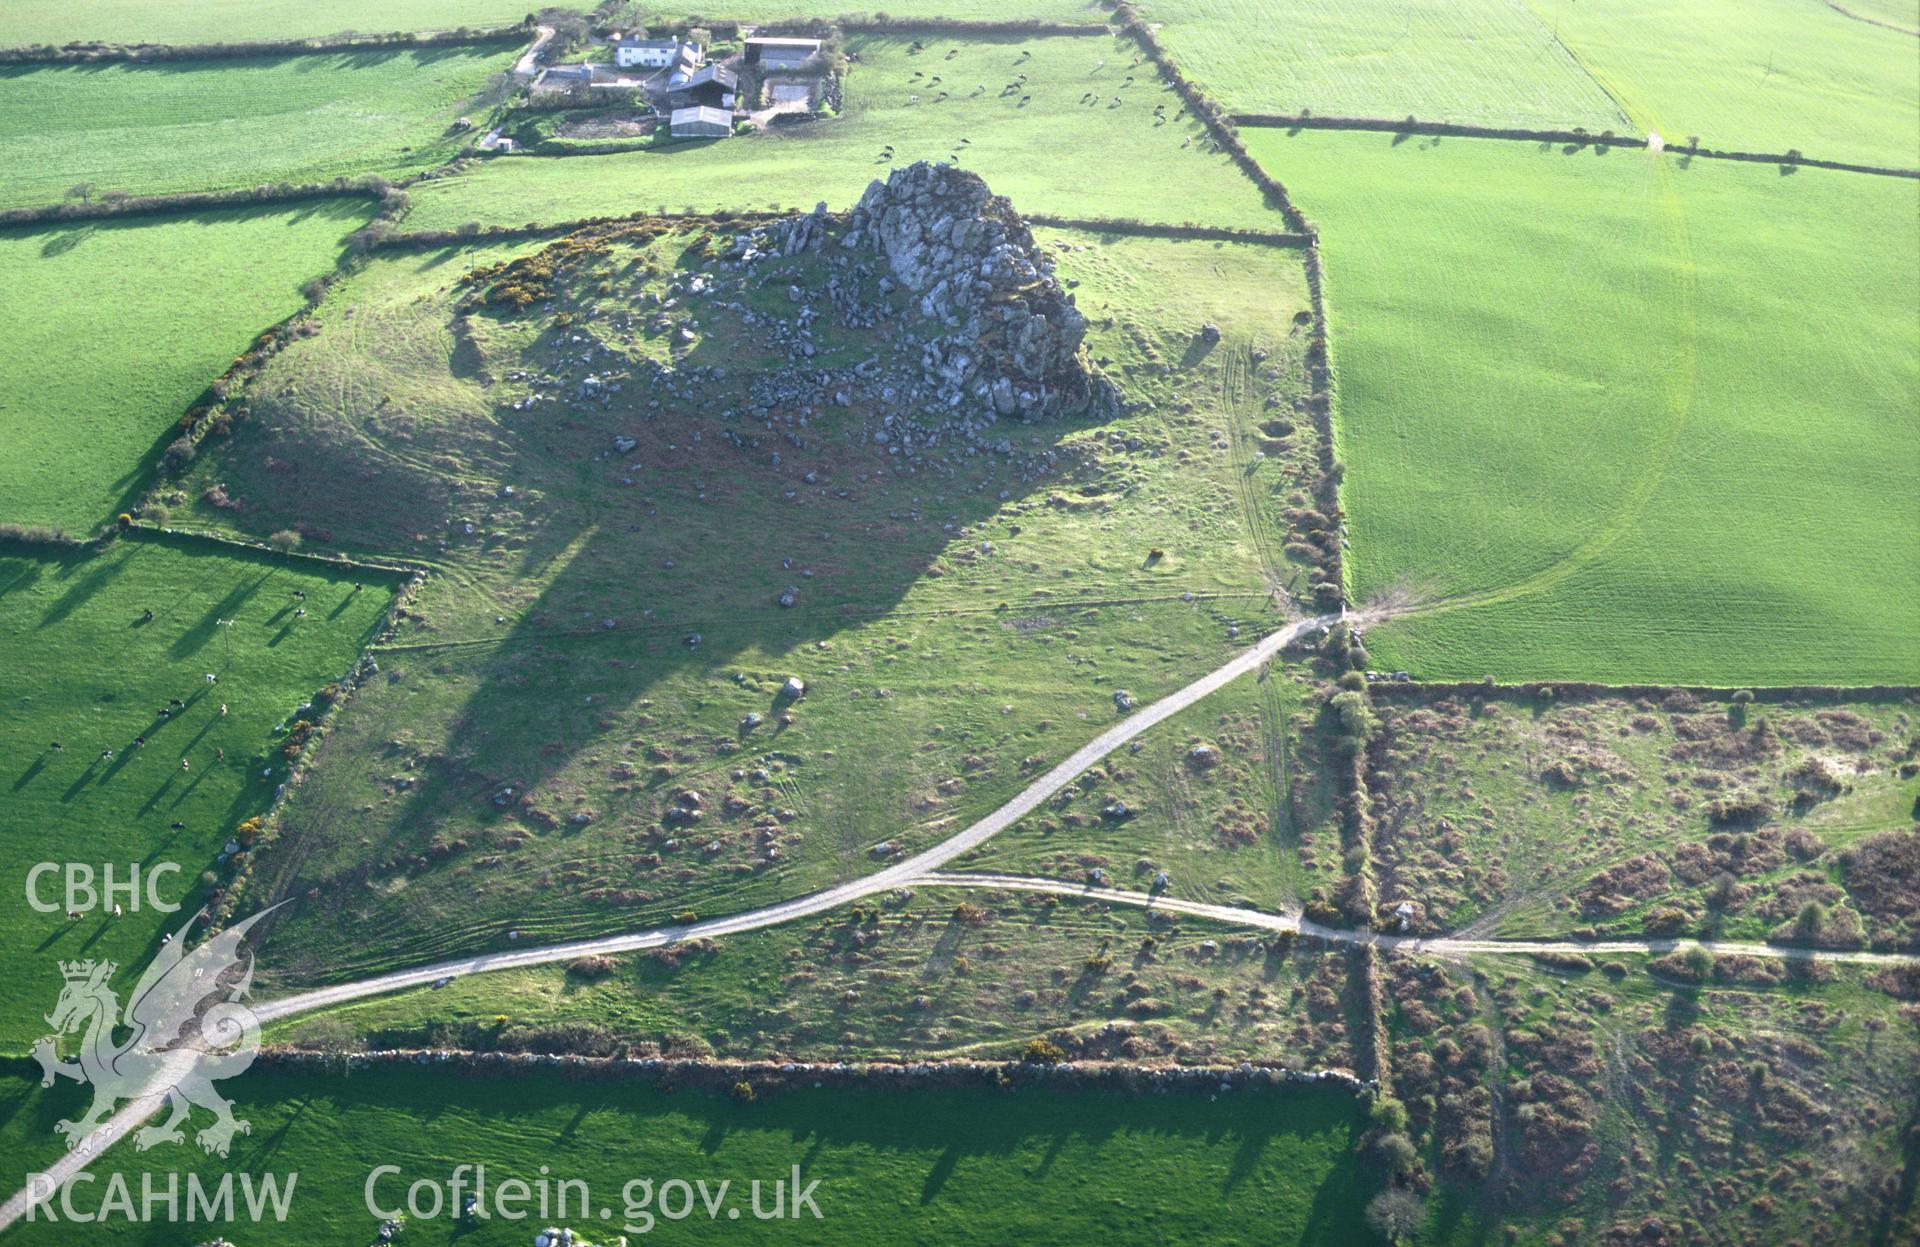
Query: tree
{"points": [[1356, 719], [1395, 1152], [1389, 1113], [286, 541], [83, 191], [1396, 1214]]}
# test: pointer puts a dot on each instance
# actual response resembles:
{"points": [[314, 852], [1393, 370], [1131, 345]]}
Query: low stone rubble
{"points": [[767, 1076]]}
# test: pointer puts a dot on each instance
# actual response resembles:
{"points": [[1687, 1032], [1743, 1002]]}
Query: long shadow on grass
{"points": [[652, 563], [948, 1130]]}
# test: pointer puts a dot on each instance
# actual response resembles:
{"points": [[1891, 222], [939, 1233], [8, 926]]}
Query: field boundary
{"points": [[235, 547], [422, 239], [721, 1074], [1218, 122], [382, 191], [416, 240], [1606, 138], [89, 52], [951, 25], [1321, 379], [1844, 11], [1552, 690], [1154, 229]]}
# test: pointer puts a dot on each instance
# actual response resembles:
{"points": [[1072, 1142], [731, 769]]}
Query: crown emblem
{"points": [[80, 971]]}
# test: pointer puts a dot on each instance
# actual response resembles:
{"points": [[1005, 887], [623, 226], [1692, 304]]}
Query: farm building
{"points": [[653, 53], [780, 53], [701, 123], [716, 86]]}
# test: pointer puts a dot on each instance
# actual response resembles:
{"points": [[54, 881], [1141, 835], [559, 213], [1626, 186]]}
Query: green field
{"points": [[1902, 13], [949, 1165], [115, 327], [217, 21], [1486, 62], [1782, 74], [1053, 154], [211, 125], [214, 21], [1090, 12], [1007, 612], [90, 673], [1575, 400]]}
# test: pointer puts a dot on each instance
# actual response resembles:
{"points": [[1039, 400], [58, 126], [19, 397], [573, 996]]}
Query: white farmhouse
{"points": [[653, 53]]}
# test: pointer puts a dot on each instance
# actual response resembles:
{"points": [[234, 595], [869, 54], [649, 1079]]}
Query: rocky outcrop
{"points": [[1009, 337]]}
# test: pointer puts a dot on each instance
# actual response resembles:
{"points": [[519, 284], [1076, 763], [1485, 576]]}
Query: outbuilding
{"points": [[771, 52], [716, 86], [700, 122]]}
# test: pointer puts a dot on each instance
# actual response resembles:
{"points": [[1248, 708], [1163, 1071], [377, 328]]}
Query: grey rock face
{"points": [[1010, 339]]}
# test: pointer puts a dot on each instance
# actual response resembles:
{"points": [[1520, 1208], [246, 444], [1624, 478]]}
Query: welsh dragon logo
{"points": [[189, 1030]]}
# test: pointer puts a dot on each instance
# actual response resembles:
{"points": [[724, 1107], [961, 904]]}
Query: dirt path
{"points": [[912, 870], [922, 870], [529, 63], [1447, 946]]}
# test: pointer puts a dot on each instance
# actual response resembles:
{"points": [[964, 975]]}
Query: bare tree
{"points": [[1396, 1214]]}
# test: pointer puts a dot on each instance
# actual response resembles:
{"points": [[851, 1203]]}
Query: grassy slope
{"points": [[113, 329], [209, 125], [1213, 830], [1053, 154], [370, 413], [1577, 388], [956, 1166], [891, 982], [1784, 74], [1489, 62], [88, 673], [212, 21]]}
